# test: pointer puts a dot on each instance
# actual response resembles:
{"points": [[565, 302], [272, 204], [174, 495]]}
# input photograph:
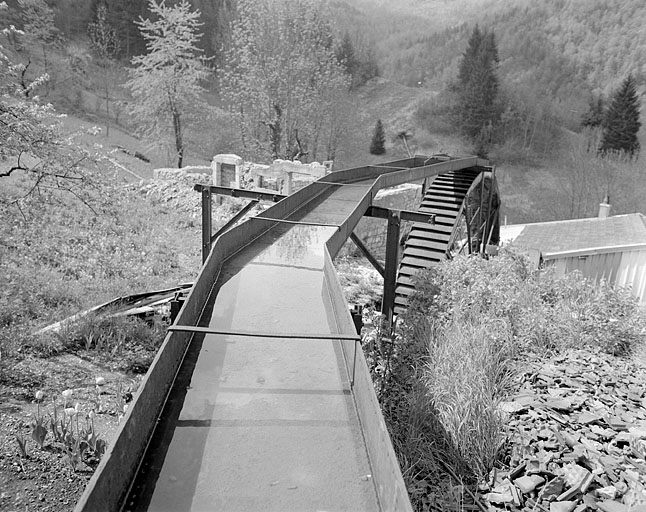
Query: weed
{"points": [[22, 446]]}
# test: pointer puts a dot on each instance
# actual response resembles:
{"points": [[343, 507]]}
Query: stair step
{"points": [[407, 272], [404, 280], [460, 181], [428, 235], [450, 200], [421, 245], [418, 252], [432, 228], [419, 263], [446, 207], [461, 189], [405, 290]]}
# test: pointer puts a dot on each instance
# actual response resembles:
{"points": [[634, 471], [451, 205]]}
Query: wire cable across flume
{"points": [[297, 222], [304, 336]]}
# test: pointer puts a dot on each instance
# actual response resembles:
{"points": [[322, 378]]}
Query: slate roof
{"points": [[581, 234]]}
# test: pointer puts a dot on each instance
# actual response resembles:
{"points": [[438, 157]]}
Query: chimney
{"points": [[604, 208]]}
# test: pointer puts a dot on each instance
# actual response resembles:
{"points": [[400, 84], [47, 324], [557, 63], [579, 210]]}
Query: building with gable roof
{"points": [[610, 248]]}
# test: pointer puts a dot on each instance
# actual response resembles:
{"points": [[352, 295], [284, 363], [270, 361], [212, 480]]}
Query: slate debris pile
{"points": [[175, 190], [577, 427]]}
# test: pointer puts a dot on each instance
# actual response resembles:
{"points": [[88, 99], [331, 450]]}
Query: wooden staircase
{"points": [[427, 244]]}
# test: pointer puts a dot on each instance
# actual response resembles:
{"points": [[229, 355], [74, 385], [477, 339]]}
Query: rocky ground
{"points": [[577, 426]]}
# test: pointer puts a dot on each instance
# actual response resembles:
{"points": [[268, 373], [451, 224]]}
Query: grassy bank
{"points": [[458, 352]]}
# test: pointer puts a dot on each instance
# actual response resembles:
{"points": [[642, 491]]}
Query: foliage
{"points": [[477, 85], [38, 25], [357, 60], [621, 121], [33, 143], [103, 36], [378, 141], [542, 311], [76, 258], [361, 283], [130, 340], [469, 370], [78, 445], [121, 16], [165, 82], [593, 118], [281, 78]]}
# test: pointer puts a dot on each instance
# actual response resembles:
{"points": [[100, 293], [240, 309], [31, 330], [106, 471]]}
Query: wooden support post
{"points": [[467, 222], [390, 272], [206, 223]]}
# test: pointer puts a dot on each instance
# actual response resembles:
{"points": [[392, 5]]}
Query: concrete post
{"points": [[216, 166]]}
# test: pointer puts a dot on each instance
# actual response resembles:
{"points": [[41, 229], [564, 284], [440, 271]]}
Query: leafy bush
{"points": [[543, 311]]}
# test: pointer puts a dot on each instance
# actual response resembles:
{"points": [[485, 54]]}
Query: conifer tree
{"points": [[621, 121], [478, 83], [378, 142]]}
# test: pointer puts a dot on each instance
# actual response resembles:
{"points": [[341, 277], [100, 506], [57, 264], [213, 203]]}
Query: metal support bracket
{"points": [[366, 252], [206, 223], [241, 192], [384, 213], [235, 218]]}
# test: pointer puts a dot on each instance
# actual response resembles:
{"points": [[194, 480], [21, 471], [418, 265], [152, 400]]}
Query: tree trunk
{"points": [[179, 145], [46, 70], [107, 101]]}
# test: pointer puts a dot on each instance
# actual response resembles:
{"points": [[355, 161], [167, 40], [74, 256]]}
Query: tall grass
{"points": [[469, 369]]}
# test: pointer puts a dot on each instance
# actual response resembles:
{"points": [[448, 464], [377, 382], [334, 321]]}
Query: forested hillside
{"points": [[590, 40]]}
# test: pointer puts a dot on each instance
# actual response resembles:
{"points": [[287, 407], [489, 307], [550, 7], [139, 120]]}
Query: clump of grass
{"points": [[110, 334], [128, 342], [468, 371]]}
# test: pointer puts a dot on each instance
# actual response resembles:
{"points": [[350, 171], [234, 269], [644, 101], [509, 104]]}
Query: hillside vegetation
{"points": [[593, 40]]}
